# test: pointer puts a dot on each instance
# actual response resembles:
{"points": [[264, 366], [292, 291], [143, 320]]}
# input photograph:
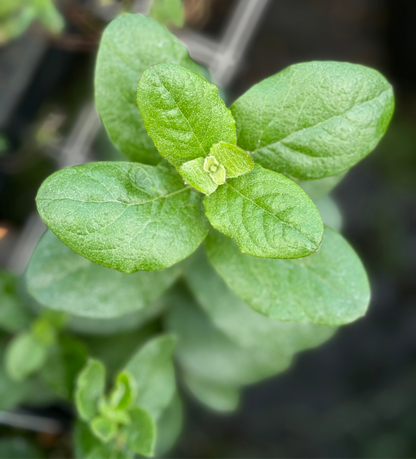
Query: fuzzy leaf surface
{"points": [[267, 214], [183, 113], [329, 287], [314, 119], [129, 45], [126, 216], [101, 292], [194, 173]]}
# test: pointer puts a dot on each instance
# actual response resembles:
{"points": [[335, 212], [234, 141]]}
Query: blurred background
{"points": [[354, 396]]}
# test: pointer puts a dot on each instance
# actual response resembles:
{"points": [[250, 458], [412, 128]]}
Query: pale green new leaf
{"points": [[329, 287], [129, 45], [215, 396], [152, 369], [24, 355], [195, 174], [168, 12], [141, 433], [126, 216], [267, 214], [183, 113], [103, 428], [235, 160], [315, 119], [100, 292], [259, 335], [90, 387]]}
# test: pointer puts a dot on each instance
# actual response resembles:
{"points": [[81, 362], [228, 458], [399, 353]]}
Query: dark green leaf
{"points": [[329, 287], [183, 113], [314, 119], [125, 216], [267, 214], [129, 45]]}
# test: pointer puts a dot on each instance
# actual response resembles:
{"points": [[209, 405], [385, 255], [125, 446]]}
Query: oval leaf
{"points": [[183, 113], [90, 387], [125, 216], [241, 324], [267, 214], [129, 45], [315, 119], [329, 287], [195, 174], [101, 292]]}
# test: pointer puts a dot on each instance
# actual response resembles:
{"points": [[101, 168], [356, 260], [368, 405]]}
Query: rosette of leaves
{"points": [[126, 421], [196, 164]]}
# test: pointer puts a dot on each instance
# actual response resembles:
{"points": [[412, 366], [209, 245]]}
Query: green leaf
{"points": [[330, 213], [14, 316], [50, 17], [125, 216], [84, 441], [267, 214], [141, 433], [152, 368], [235, 160], [168, 11], [12, 392], [329, 287], [195, 174], [109, 326], [103, 428], [24, 355], [101, 292], [90, 387], [208, 354], [316, 189], [215, 396], [183, 113], [124, 392], [129, 45], [314, 119], [169, 426], [258, 335], [65, 361]]}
